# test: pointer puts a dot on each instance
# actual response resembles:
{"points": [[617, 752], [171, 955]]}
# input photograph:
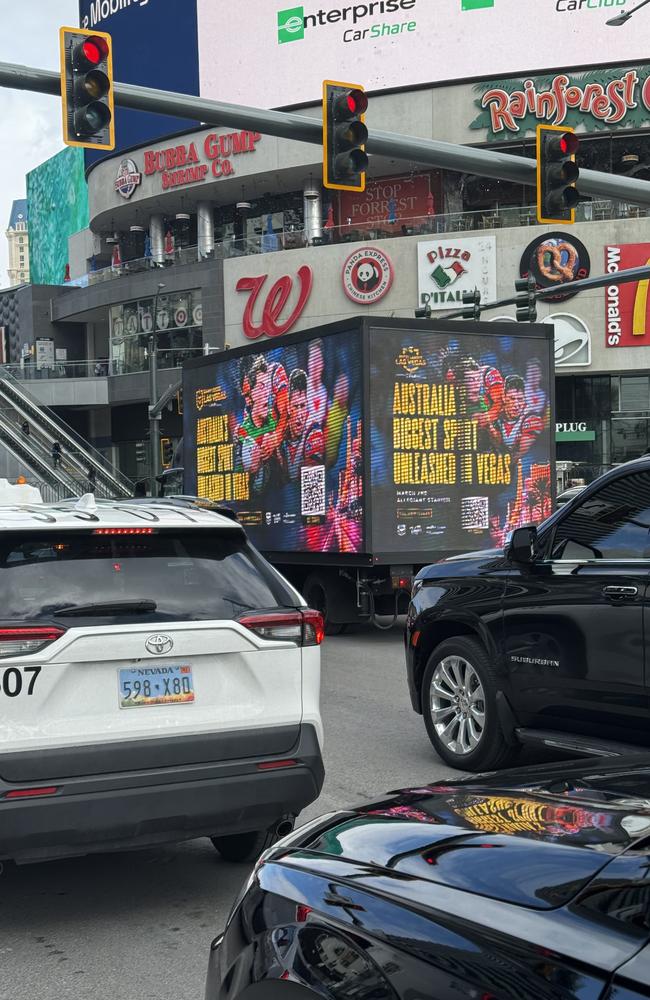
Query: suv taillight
{"points": [[305, 628], [22, 641]]}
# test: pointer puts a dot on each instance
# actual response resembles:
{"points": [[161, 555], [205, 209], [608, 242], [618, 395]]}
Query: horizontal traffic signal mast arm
{"points": [[287, 125], [581, 285]]}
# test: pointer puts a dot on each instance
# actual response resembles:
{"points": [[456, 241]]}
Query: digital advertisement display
{"points": [[277, 436], [277, 54], [287, 49], [461, 439]]}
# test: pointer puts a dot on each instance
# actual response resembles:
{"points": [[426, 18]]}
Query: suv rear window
{"points": [[188, 575]]}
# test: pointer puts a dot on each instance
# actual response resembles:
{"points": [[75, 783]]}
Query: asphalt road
{"points": [[138, 925]]}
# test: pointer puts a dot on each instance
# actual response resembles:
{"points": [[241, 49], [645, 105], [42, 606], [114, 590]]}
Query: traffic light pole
{"points": [[288, 125], [581, 285]]}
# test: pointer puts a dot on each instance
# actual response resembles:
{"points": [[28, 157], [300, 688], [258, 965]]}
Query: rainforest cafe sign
{"points": [[599, 99]]}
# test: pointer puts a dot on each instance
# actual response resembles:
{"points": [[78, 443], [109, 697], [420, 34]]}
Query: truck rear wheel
{"points": [[459, 705], [315, 593]]}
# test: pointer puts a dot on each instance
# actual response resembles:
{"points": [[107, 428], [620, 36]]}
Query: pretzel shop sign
{"points": [[555, 260], [191, 163]]}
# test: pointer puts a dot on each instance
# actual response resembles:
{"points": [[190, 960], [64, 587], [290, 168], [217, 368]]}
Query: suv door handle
{"points": [[614, 591]]}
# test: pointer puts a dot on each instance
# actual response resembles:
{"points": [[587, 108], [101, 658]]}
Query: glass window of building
{"points": [[179, 331]]}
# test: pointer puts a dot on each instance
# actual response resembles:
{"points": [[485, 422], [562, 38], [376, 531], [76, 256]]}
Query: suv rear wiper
{"points": [[106, 608]]}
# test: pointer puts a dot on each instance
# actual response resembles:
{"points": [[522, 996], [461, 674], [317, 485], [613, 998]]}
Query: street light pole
{"points": [[154, 418], [620, 19]]}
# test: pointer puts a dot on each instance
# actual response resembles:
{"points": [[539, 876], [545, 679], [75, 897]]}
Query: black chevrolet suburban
{"points": [[543, 641]]}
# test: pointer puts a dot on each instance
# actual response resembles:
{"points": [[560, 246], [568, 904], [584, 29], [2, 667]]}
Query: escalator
{"points": [[34, 458], [78, 457]]}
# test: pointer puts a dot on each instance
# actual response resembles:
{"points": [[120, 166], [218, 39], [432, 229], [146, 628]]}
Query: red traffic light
{"points": [[87, 88], [357, 102], [90, 53], [557, 174], [350, 105], [344, 136], [568, 144]]}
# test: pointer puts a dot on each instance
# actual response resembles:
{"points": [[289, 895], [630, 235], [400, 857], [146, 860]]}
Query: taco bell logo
{"points": [[128, 178]]}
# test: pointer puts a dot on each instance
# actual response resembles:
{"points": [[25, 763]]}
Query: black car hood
{"points": [[535, 844], [453, 565]]}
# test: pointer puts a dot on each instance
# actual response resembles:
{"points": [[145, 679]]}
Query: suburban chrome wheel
{"points": [[457, 705]]}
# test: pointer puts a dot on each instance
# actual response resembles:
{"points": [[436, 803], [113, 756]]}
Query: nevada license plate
{"points": [[140, 687]]}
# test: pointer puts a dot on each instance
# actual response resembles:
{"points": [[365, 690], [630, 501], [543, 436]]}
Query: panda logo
{"points": [[367, 275]]}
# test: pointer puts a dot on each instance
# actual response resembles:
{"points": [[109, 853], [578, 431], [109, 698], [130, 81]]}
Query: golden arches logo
{"points": [[640, 308]]}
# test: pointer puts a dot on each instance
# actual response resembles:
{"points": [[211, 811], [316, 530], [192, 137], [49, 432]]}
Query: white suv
{"points": [[159, 681]]}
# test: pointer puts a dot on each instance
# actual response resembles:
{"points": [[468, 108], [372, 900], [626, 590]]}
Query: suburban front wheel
{"points": [[459, 706]]}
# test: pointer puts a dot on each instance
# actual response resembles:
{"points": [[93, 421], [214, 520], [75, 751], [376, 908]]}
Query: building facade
{"points": [[18, 244], [219, 237]]}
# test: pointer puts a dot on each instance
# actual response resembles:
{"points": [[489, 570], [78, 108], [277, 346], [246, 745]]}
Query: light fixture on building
{"points": [[182, 217], [243, 206]]}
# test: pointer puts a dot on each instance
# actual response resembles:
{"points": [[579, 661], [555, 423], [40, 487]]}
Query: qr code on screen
{"points": [[312, 491], [474, 513]]}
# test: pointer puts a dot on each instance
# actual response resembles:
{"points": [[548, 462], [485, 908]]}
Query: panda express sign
{"points": [[190, 163], [598, 99]]}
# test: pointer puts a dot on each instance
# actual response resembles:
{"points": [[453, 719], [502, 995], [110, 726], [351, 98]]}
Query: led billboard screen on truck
{"points": [[376, 438]]}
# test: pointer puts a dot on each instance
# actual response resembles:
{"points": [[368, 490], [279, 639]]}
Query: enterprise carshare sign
{"points": [[272, 53]]}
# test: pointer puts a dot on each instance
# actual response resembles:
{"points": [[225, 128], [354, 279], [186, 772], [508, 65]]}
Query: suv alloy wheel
{"points": [[459, 706]]}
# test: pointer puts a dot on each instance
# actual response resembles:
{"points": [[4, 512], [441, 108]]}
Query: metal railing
{"points": [[358, 230], [61, 369], [167, 358], [79, 454]]}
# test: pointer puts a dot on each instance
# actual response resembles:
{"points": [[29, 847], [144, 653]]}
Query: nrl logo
{"points": [[410, 360]]}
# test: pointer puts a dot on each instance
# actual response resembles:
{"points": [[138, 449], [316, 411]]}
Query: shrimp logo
{"points": [[556, 259]]}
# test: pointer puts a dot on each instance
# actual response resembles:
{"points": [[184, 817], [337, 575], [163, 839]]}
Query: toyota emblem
{"points": [[159, 644]]}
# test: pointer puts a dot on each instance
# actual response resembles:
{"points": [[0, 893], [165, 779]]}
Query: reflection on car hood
{"points": [[480, 554], [535, 844]]}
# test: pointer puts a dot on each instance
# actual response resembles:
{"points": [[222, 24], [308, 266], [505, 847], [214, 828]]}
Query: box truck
{"points": [[356, 452]]}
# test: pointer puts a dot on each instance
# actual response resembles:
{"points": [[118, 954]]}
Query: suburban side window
{"points": [[611, 524]]}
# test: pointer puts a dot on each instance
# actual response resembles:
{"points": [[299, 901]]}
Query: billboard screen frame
{"points": [[370, 329]]}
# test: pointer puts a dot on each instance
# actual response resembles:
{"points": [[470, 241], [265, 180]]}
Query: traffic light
{"points": [[526, 303], [473, 301], [344, 136], [166, 452], [87, 89], [557, 174], [424, 312]]}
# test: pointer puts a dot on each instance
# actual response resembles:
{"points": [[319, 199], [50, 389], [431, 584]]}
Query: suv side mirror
{"points": [[523, 544]]}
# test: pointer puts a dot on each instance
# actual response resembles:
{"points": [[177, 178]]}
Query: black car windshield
{"points": [[170, 575]]}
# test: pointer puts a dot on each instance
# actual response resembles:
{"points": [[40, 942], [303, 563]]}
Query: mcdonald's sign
{"points": [[627, 307]]}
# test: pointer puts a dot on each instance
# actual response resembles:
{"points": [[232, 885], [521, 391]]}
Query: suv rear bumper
{"points": [[134, 808]]}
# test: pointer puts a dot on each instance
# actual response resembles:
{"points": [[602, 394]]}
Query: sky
{"points": [[30, 124]]}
